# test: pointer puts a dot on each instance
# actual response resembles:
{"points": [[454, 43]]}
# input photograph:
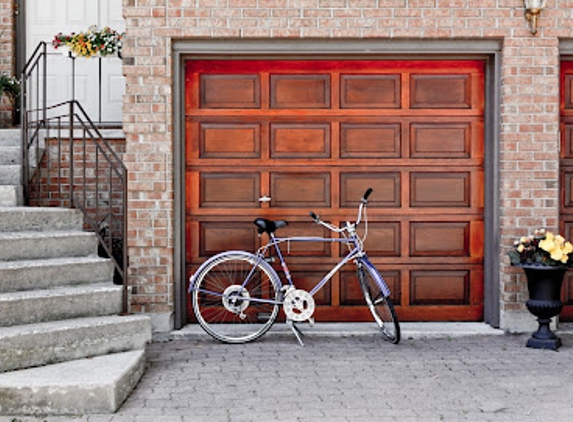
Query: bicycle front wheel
{"points": [[381, 307], [235, 297]]}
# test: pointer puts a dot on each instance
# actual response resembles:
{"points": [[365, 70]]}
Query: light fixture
{"points": [[532, 10]]}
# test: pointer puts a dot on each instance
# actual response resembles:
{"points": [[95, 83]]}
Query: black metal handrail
{"points": [[67, 163]]}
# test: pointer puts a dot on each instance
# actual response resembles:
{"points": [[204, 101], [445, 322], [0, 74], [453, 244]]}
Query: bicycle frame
{"points": [[355, 254]]}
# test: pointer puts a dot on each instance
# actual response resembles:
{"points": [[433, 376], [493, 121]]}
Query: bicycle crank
{"points": [[298, 305]]}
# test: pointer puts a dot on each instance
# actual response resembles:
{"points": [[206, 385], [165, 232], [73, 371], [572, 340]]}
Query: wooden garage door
{"points": [[566, 184], [313, 135]]}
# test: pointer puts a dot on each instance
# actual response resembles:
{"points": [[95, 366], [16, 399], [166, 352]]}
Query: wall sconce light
{"points": [[532, 10]]}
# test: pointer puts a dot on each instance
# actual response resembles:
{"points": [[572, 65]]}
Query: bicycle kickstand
{"points": [[298, 334]]}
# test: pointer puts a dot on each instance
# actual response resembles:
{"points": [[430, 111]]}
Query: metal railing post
{"points": [[71, 152]]}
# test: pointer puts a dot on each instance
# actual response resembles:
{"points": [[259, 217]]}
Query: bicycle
{"points": [[236, 295]]}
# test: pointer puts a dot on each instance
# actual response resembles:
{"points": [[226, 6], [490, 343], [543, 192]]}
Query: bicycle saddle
{"points": [[268, 226]]}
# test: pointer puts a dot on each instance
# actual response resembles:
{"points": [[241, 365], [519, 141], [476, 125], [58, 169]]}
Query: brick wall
{"points": [[7, 58], [529, 102]]}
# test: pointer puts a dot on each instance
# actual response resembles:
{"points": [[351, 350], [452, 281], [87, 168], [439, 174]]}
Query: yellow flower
{"points": [[568, 248], [547, 244], [520, 248], [557, 254]]}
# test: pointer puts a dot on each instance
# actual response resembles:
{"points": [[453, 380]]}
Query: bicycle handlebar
{"points": [[363, 203]]}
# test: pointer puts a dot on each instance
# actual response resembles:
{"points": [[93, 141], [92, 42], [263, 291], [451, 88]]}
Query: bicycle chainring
{"points": [[236, 299], [298, 305]]}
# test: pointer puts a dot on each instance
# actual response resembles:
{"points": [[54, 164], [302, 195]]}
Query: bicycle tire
{"points": [[380, 306], [221, 304]]}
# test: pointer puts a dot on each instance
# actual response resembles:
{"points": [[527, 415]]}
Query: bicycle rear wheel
{"points": [[381, 307], [235, 297]]}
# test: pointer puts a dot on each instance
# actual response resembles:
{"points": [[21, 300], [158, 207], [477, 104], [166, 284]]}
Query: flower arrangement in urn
{"points": [[543, 248], [93, 42]]}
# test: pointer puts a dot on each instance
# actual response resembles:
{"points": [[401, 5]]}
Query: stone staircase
{"points": [[64, 347], [10, 168]]}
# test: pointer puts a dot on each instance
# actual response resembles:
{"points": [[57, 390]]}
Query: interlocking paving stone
{"points": [[350, 378]]}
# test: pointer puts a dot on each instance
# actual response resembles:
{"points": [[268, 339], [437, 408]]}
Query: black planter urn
{"points": [[544, 285]]}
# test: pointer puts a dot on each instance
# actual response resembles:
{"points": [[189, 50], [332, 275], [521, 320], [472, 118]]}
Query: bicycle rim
{"points": [[229, 311], [381, 307]]}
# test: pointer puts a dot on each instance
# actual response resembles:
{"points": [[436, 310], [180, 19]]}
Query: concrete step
{"points": [[97, 385], [46, 273], [10, 137], [11, 195], [10, 155], [38, 218], [46, 244], [27, 346], [97, 299], [10, 174]]}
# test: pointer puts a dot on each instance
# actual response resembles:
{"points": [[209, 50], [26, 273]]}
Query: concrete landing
{"points": [[97, 385], [409, 330]]}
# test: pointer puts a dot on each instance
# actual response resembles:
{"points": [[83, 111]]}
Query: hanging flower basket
{"points": [[92, 43]]}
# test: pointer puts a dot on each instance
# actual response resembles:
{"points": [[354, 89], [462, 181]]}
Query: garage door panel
{"points": [[440, 140], [367, 140], [233, 190], [300, 140], [440, 238], [370, 91], [440, 91], [300, 91], [567, 142], [219, 236], [384, 239], [441, 190], [307, 278], [305, 229], [567, 88], [230, 140], [440, 287], [351, 293], [300, 190], [387, 186], [230, 91]]}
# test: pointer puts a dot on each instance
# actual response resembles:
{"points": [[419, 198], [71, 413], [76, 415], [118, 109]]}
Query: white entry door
{"points": [[98, 84]]}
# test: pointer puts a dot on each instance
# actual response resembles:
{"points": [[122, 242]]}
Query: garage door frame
{"points": [[488, 50]]}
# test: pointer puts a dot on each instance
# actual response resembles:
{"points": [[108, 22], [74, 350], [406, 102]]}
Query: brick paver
{"points": [[351, 378]]}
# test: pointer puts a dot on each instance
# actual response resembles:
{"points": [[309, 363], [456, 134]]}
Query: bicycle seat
{"points": [[268, 226]]}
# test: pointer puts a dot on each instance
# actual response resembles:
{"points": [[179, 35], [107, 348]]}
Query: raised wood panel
{"points": [[440, 140], [221, 236], [307, 279], [300, 91], [295, 190], [567, 141], [369, 91], [292, 140], [384, 239], [439, 238], [230, 91], [440, 91], [362, 140], [385, 184], [567, 296], [440, 189], [351, 293], [439, 287], [305, 229], [568, 91], [235, 140], [567, 188], [232, 190]]}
